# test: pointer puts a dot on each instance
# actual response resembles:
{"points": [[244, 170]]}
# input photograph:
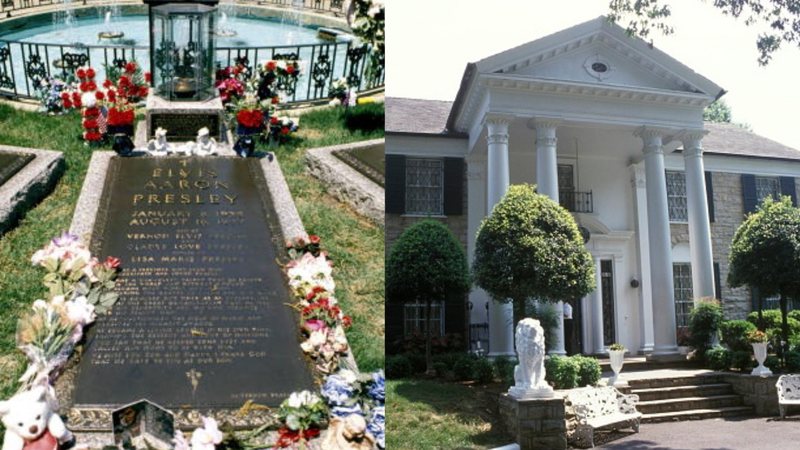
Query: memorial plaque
{"points": [[202, 320], [11, 163], [183, 126]]}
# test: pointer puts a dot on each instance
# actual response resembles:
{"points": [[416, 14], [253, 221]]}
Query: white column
{"points": [[643, 246], [699, 226], [660, 245], [501, 321], [586, 329], [597, 310], [547, 184]]}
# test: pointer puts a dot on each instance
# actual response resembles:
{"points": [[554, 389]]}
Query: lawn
{"points": [[354, 244], [428, 414]]}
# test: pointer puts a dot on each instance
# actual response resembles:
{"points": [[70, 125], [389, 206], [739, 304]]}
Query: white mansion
{"points": [[612, 129]]}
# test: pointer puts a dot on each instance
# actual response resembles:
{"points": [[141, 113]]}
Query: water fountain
{"points": [[227, 11], [109, 33], [64, 19], [293, 21]]}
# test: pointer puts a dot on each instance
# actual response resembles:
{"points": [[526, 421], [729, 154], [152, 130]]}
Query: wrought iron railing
{"points": [[8, 7], [24, 65], [576, 201]]}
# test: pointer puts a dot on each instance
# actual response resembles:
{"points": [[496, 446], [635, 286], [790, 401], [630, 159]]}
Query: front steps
{"points": [[686, 398]]}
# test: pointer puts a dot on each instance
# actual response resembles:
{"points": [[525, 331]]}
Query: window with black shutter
{"points": [[710, 196], [788, 188], [395, 184], [749, 193], [453, 186]]}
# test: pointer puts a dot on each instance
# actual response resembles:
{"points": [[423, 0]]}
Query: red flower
{"points": [[143, 90], [271, 65], [77, 102], [99, 95], [80, 73], [91, 86], [287, 437], [65, 96], [130, 67], [123, 82], [148, 77], [92, 136], [314, 239], [274, 120], [347, 321], [290, 69], [112, 96], [84, 86], [107, 84], [285, 131], [91, 112], [117, 117], [275, 100], [112, 263], [76, 96], [250, 118], [90, 73], [67, 103], [89, 124]]}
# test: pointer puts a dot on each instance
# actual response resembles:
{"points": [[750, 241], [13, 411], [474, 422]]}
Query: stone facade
{"points": [[758, 392], [537, 424], [728, 215]]}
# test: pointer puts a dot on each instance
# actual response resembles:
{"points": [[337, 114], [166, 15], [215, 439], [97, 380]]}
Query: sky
{"points": [[429, 43]]}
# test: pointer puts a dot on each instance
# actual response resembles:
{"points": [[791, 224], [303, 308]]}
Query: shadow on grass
{"points": [[474, 405]]}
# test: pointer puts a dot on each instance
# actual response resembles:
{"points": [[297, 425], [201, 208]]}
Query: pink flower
{"points": [[315, 325]]}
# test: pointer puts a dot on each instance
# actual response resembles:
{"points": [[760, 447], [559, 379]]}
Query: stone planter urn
{"points": [[760, 352], [617, 358]]}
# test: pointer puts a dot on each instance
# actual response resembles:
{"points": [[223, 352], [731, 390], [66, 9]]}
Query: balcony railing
{"points": [[576, 201]]}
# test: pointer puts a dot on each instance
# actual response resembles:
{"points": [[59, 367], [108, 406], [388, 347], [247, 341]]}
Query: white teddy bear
{"points": [[31, 421]]}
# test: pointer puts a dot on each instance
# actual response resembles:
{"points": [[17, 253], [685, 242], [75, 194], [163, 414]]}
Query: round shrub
{"points": [[440, 368], [464, 368], [718, 358], [366, 117], [742, 360], [734, 334], [772, 362], [794, 314], [484, 371], [772, 319], [504, 367], [793, 361], [398, 366], [704, 321], [562, 372], [589, 372]]}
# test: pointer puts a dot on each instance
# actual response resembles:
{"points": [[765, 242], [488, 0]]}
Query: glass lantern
{"points": [[182, 50]]}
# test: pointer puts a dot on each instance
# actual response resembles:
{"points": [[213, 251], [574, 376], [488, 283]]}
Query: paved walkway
{"points": [[762, 433]]}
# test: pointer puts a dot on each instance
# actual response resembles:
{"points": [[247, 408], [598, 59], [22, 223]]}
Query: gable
{"points": [[579, 65]]}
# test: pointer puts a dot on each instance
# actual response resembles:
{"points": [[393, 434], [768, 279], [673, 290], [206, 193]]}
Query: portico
{"points": [[589, 113]]}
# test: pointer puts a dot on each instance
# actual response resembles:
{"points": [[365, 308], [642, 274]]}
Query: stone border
{"points": [[29, 185], [758, 392], [347, 184]]}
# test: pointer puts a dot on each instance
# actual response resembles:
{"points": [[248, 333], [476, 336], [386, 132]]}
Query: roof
{"points": [[416, 116], [429, 117], [733, 140]]}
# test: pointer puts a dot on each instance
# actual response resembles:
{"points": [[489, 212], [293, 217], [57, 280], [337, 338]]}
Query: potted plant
{"points": [[758, 339], [616, 353]]}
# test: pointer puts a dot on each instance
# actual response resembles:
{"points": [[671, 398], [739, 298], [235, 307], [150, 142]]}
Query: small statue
{"points": [[529, 374], [159, 145], [348, 433], [205, 145]]}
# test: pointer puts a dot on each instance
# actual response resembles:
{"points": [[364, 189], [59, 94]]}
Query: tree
{"points": [[765, 254], [426, 264], [781, 19], [530, 247], [718, 111]]}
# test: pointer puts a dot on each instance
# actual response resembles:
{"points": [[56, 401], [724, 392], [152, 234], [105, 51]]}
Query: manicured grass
{"points": [[354, 244], [427, 414]]}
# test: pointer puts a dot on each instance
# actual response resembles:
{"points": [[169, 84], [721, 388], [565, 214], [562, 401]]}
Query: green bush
{"points": [[718, 358], [367, 117], [589, 372], [794, 314], [417, 361], [704, 322], [448, 359], [772, 319], [742, 360], [398, 366], [772, 363], [504, 367], [562, 372], [734, 334], [464, 368], [440, 368], [793, 361], [484, 371]]}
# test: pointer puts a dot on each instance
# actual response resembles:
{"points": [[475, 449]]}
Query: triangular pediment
{"points": [[598, 52]]}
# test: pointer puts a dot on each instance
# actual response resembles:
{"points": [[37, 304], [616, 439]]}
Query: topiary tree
{"points": [[426, 264], [765, 254], [530, 247]]}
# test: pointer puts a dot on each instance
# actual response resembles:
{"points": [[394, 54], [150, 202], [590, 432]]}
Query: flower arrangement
{"points": [[341, 93], [127, 81], [756, 337], [230, 81], [90, 111], [281, 129], [302, 413], [55, 95], [617, 347], [347, 393]]}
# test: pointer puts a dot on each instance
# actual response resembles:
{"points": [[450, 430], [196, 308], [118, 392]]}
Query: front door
{"points": [[607, 290]]}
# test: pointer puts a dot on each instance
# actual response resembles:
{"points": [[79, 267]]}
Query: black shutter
{"points": [[395, 184], [710, 197], [455, 315], [788, 188], [749, 193], [453, 186], [717, 282]]}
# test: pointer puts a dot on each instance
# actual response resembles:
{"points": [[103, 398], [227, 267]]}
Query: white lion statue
{"points": [[529, 374]]}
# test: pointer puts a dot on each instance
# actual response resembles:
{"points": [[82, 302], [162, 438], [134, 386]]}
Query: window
{"points": [[767, 187], [414, 318], [676, 196], [424, 186], [684, 300]]}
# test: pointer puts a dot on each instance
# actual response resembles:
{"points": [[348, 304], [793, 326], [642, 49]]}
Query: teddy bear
{"points": [[31, 421]]}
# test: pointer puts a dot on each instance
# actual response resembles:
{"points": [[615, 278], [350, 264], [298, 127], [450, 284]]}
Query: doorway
{"points": [[573, 331], [607, 292]]}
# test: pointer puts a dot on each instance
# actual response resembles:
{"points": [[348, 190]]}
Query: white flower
{"points": [[302, 398], [80, 311], [41, 304], [88, 100], [180, 441], [207, 437], [316, 339], [313, 271], [348, 375]]}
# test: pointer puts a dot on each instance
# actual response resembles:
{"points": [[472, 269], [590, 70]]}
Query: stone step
{"points": [[637, 364], [698, 414], [650, 383], [688, 403], [700, 390]]}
